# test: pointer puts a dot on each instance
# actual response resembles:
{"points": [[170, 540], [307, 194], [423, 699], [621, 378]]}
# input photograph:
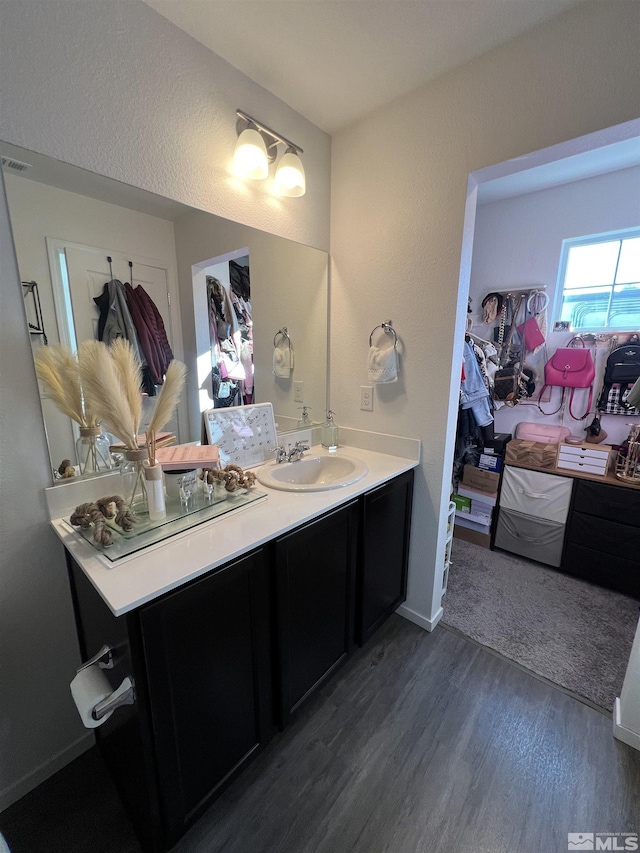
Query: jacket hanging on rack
{"points": [[151, 331]]}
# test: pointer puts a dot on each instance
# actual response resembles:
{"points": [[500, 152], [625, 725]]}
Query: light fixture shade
{"points": [[250, 158], [290, 179]]}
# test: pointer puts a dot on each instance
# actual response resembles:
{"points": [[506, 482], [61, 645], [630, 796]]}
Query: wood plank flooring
{"points": [[423, 742]]}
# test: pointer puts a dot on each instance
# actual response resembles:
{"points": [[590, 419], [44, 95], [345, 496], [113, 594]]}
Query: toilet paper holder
{"points": [[123, 695], [104, 659]]}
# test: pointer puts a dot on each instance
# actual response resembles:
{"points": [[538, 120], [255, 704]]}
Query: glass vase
{"points": [[132, 478], [92, 451]]}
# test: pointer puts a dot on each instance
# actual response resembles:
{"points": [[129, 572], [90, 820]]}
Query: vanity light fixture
{"points": [[257, 146]]}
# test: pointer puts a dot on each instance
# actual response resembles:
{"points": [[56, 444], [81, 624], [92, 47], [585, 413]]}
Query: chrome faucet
{"points": [[291, 454]]}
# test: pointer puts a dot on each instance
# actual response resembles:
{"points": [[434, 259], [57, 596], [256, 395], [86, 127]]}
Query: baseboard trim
{"points": [[620, 732], [418, 618], [31, 780]]}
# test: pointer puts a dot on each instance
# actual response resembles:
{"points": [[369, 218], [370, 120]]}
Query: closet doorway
{"points": [[224, 330], [501, 600]]}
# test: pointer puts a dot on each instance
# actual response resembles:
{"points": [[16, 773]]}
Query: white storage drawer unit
{"points": [[535, 493], [533, 511], [588, 458]]}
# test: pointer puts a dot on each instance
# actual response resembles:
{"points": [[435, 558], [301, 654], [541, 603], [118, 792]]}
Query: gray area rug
{"points": [[571, 632]]}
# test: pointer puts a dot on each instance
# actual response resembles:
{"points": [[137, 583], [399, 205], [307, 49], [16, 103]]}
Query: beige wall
{"points": [[399, 180]]}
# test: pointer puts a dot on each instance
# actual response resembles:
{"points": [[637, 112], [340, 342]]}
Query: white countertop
{"points": [[159, 568]]}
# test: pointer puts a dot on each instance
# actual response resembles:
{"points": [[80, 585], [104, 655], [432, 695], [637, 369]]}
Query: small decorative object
{"points": [[232, 476], [97, 514], [66, 470], [58, 370], [628, 457], [180, 480]]}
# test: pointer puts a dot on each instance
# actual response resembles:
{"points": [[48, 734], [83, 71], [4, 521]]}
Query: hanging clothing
{"points": [[115, 319], [231, 333], [473, 391], [151, 331]]}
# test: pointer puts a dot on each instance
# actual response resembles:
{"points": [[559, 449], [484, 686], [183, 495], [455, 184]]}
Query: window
{"points": [[599, 281]]}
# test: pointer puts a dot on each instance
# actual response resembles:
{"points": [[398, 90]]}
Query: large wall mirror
{"points": [[66, 222]]}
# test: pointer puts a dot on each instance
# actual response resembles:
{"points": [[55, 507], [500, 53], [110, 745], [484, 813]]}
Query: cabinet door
{"points": [[207, 650], [382, 576], [315, 572]]}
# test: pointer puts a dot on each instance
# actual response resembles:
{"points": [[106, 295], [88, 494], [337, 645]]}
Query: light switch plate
{"points": [[298, 391]]}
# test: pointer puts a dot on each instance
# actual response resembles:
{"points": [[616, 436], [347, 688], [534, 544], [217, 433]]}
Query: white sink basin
{"points": [[313, 473]]}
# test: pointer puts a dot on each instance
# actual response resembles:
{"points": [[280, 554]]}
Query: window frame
{"points": [[569, 243]]}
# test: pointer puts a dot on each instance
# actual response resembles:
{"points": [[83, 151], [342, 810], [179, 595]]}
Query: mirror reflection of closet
{"points": [[227, 286]]}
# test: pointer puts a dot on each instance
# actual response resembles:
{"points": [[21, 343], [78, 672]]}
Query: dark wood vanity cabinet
{"points": [[223, 660], [200, 659], [315, 586], [384, 554]]}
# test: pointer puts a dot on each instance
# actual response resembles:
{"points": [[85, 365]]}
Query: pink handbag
{"points": [[530, 334], [570, 367]]}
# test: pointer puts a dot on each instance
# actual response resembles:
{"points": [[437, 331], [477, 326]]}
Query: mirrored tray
{"points": [[178, 519]]}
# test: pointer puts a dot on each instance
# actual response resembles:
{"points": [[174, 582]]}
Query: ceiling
{"points": [[334, 61]]}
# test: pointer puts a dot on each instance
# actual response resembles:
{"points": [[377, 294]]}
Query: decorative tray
{"points": [[178, 519]]}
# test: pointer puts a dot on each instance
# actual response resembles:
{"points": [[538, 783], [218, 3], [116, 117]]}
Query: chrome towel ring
{"points": [[388, 328], [281, 333]]}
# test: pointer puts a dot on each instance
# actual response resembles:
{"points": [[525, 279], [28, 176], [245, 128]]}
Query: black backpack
{"points": [[623, 369]]}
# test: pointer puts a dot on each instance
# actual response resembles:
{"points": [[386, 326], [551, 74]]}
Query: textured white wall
{"points": [[399, 180], [517, 243], [112, 86]]}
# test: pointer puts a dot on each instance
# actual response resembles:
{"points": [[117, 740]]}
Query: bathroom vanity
{"points": [[226, 631]]}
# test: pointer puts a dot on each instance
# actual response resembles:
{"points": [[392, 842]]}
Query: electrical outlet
{"points": [[366, 398], [298, 391]]}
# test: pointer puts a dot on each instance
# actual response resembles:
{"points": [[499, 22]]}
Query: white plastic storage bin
{"points": [[535, 493]]}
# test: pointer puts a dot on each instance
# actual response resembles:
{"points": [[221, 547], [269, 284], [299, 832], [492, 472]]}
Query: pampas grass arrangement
{"points": [[165, 405], [58, 370], [111, 379]]}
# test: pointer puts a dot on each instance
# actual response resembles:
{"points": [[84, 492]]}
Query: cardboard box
{"points": [[489, 462], [481, 511], [482, 539], [535, 454], [490, 498], [476, 478], [499, 442], [462, 503]]}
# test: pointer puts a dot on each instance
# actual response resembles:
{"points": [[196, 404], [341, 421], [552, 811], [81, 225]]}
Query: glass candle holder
{"points": [[92, 451]]}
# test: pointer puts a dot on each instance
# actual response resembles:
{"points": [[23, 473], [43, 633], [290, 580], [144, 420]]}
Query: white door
{"points": [[88, 271], [81, 274]]}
